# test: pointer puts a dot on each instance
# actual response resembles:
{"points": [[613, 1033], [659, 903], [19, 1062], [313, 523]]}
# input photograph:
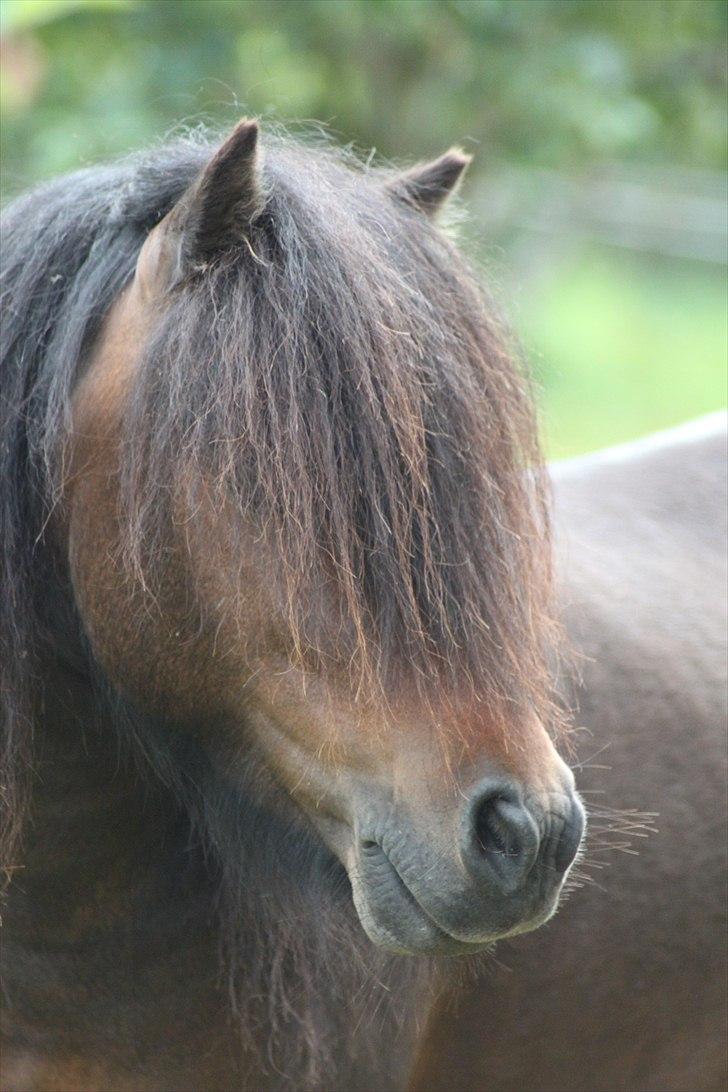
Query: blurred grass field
{"points": [[623, 345]]}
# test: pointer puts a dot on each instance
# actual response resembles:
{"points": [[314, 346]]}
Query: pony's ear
{"points": [[214, 214], [427, 186], [218, 209]]}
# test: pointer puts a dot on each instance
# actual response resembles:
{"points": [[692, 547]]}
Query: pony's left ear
{"points": [[213, 215], [427, 186], [218, 209]]}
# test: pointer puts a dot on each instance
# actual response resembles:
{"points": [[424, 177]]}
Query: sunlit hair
{"points": [[341, 377]]}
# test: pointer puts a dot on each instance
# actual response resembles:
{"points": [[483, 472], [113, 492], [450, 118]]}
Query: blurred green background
{"points": [[598, 194]]}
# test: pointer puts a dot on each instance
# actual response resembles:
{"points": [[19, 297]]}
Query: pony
{"points": [[277, 620], [278, 623]]}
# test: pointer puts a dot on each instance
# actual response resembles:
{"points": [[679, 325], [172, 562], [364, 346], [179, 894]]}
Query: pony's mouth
{"points": [[394, 917], [390, 913]]}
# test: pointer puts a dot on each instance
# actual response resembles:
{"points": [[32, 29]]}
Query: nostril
{"points": [[501, 837], [493, 831], [570, 838]]}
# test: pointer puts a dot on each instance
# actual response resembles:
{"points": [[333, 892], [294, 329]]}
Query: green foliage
{"points": [[571, 86], [19, 15], [541, 81]]}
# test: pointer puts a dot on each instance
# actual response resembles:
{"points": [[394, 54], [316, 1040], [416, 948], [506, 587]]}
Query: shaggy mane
{"points": [[341, 378]]}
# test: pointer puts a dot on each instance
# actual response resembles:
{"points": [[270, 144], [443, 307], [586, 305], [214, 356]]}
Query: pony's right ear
{"points": [[212, 216], [427, 186]]}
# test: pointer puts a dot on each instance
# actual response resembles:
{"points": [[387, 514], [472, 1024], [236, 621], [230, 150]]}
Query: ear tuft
{"points": [[427, 186], [218, 209]]}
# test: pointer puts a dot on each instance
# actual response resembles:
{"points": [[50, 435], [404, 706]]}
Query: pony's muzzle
{"points": [[494, 868]]}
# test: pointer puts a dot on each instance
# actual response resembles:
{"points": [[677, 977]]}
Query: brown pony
{"points": [[277, 624]]}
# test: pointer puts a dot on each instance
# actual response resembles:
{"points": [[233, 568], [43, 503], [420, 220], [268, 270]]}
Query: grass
{"points": [[625, 344]]}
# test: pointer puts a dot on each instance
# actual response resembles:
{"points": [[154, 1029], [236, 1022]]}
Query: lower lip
{"points": [[441, 940], [438, 940]]}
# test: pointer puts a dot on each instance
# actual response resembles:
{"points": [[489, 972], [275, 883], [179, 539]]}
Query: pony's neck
{"points": [[109, 941], [112, 943], [95, 829]]}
